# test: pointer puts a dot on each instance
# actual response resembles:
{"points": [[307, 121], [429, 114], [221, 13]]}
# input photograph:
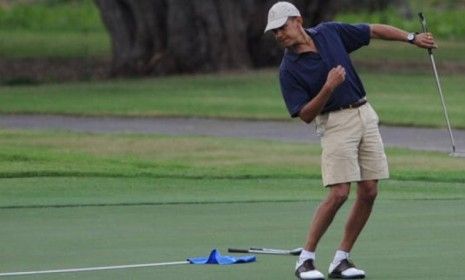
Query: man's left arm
{"points": [[388, 32]]}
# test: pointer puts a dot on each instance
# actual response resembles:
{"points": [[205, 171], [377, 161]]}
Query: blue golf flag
{"points": [[216, 258]]}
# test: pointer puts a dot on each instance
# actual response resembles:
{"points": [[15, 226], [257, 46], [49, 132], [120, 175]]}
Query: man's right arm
{"points": [[336, 76], [388, 32]]}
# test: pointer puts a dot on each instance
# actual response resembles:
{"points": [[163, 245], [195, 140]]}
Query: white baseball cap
{"points": [[278, 14]]}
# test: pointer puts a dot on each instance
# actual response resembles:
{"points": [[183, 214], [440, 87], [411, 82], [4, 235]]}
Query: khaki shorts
{"points": [[352, 146]]}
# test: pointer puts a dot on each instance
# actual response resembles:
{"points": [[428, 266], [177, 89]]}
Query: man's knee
{"points": [[339, 194], [367, 191]]}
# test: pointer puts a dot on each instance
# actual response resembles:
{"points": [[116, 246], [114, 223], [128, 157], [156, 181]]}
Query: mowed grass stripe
{"points": [[28, 154], [92, 192], [405, 232], [148, 204]]}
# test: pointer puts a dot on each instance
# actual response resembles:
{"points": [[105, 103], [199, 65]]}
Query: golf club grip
{"points": [[235, 250], [424, 27]]}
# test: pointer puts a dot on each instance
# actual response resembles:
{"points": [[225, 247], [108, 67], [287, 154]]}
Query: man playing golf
{"points": [[319, 83]]}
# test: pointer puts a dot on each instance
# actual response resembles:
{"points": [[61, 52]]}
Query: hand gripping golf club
{"points": [[438, 84], [269, 251]]}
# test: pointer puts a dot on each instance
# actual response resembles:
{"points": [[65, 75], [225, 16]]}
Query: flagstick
{"points": [[67, 270]]}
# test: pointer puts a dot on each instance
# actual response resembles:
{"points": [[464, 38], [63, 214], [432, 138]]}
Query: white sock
{"points": [[305, 255], [339, 256]]}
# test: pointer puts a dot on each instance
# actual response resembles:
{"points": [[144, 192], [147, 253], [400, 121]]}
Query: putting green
{"points": [[405, 239]]}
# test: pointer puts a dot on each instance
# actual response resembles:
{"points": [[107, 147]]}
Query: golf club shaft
{"points": [[264, 251], [446, 115], [438, 84], [233, 250], [67, 270], [294, 252]]}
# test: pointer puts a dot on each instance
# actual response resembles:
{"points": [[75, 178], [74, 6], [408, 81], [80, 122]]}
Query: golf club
{"points": [[438, 84], [254, 250]]}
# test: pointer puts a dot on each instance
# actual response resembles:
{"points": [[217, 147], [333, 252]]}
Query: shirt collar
{"points": [[295, 56]]}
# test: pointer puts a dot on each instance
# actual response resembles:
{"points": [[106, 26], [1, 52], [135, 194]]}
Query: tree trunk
{"points": [[174, 36]]}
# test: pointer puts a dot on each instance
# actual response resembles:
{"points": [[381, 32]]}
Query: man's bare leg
{"points": [[325, 213], [341, 267], [361, 210]]}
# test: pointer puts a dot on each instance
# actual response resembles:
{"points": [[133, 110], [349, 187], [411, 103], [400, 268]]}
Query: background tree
{"points": [[172, 36]]}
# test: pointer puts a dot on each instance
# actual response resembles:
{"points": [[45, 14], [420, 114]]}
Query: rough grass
{"points": [[27, 44], [52, 29], [446, 21], [48, 16]]}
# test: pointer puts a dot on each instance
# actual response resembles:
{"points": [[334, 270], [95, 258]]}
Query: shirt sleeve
{"points": [[353, 36], [294, 95]]}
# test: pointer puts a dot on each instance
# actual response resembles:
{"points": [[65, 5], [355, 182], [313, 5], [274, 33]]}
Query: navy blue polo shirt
{"points": [[303, 75]]}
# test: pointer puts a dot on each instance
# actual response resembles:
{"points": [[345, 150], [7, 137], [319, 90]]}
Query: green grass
{"points": [[162, 199], [51, 16], [400, 99], [66, 29], [53, 29], [240, 95], [413, 100], [77, 200], [84, 200], [43, 192], [380, 52], [27, 154], [29, 44], [401, 235], [445, 22]]}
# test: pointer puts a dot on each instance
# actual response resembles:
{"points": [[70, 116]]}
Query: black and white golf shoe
{"points": [[305, 270], [345, 270]]}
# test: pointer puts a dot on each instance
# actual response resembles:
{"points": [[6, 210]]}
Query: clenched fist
{"points": [[336, 76]]}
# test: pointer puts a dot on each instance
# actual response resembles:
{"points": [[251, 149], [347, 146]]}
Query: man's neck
{"points": [[304, 44]]}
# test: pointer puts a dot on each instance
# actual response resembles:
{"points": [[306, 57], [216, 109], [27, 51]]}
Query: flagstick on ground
{"points": [[214, 258], [97, 268]]}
